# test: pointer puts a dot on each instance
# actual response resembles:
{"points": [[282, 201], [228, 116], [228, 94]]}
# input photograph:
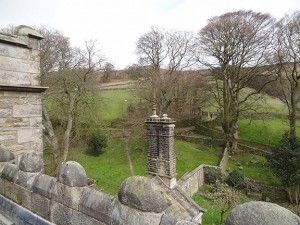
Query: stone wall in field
{"points": [[20, 92], [191, 182]]}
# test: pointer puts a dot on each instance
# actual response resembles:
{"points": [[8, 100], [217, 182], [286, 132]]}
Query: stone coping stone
{"points": [[31, 162], [6, 155], [66, 195], [26, 179], [9, 172], [97, 204], [264, 213], [124, 215], [143, 194], [43, 185], [168, 219], [73, 174]]}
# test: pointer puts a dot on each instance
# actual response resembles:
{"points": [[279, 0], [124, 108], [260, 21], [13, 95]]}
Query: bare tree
{"points": [[225, 196], [108, 71], [163, 55], [9, 29], [67, 71], [288, 34], [237, 47]]}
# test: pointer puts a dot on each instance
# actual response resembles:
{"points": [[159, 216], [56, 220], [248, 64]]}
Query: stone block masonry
{"points": [[20, 92], [161, 159], [29, 197]]}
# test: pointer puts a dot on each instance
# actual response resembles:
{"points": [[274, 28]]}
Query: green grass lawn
{"points": [[115, 103], [111, 168], [267, 131], [253, 166], [212, 214], [189, 156], [261, 103]]}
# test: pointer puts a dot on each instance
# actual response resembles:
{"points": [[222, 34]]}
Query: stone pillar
{"points": [[161, 159], [20, 92]]}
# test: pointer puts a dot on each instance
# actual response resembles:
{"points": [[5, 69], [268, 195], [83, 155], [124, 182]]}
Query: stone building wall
{"points": [[20, 92]]}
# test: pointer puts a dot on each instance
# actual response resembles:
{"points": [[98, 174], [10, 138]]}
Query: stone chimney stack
{"points": [[161, 159]]}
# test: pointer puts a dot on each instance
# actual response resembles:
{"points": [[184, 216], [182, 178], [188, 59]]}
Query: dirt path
{"points": [[127, 152], [116, 84]]}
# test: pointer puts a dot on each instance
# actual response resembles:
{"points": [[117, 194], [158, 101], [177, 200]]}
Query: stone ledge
{"points": [[13, 40], [31, 89]]}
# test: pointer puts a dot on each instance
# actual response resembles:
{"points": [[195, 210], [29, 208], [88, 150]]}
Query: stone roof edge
{"points": [[32, 89], [12, 39]]}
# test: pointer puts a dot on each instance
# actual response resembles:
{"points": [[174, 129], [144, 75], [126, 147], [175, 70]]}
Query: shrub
{"points": [[235, 179], [284, 161], [96, 142]]}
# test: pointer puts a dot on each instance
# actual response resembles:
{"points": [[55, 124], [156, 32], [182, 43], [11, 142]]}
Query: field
{"points": [[112, 167]]}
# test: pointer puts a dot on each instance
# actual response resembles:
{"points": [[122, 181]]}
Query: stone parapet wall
{"points": [[31, 197], [20, 98]]}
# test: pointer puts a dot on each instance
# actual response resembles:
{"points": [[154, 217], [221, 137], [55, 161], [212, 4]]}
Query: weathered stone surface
{"points": [[168, 219], [24, 30], [7, 135], [19, 65], [73, 174], [20, 53], [161, 159], [66, 195], [12, 191], [20, 215], [26, 179], [97, 204], [5, 112], [62, 215], [9, 172], [261, 213], [27, 110], [36, 122], [124, 215], [142, 194], [40, 205], [6, 155], [43, 185], [31, 162]]}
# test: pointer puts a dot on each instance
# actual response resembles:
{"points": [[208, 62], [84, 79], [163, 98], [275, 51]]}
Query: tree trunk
{"points": [[235, 136], [292, 116], [297, 194], [290, 195], [234, 126], [51, 137], [69, 128], [226, 112]]}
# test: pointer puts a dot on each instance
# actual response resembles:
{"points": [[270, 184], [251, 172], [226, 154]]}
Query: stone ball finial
{"points": [[72, 174], [31, 162], [154, 115], [257, 212], [141, 193], [6, 155]]}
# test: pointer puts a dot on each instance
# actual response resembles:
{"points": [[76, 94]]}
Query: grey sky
{"points": [[118, 24]]}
